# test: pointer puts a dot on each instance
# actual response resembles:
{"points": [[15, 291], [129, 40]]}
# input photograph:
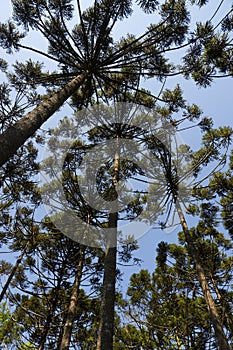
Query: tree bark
{"points": [[16, 135], [106, 325], [51, 311], [215, 319], [225, 306], [67, 330], [46, 329]]}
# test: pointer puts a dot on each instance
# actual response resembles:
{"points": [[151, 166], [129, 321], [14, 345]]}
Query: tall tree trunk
{"points": [[12, 273], [215, 318], [68, 326], [226, 308], [106, 325], [46, 329], [15, 136]]}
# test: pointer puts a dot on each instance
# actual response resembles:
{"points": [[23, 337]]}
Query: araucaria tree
{"points": [[88, 58], [89, 65], [213, 140]]}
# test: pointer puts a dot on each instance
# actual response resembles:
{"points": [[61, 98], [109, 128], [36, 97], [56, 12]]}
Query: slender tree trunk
{"points": [[225, 306], [52, 309], [215, 319], [15, 136], [12, 273], [49, 318], [68, 326], [106, 325]]}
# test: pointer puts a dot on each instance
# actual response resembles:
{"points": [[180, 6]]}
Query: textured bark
{"points": [[68, 326], [226, 308], [215, 319], [106, 325], [16, 135]]}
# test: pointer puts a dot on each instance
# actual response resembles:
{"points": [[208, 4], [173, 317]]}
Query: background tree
{"points": [[41, 297], [212, 142], [221, 185], [107, 182], [88, 58], [167, 309], [172, 182]]}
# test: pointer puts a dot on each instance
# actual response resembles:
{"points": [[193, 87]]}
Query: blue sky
{"points": [[215, 101]]}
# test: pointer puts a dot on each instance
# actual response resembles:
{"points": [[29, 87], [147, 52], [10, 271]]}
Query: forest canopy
{"points": [[93, 100]]}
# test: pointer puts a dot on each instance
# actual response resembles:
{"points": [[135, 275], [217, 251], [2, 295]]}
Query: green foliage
{"points": [[3, 65], [28, 73], [164, 309], [148, 6], [90, 44], [10, 37], [27, 346], [9, 328], [222, 184]]}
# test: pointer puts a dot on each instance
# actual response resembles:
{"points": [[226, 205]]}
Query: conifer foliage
{"points": [[61, 293], [87, 57]]}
